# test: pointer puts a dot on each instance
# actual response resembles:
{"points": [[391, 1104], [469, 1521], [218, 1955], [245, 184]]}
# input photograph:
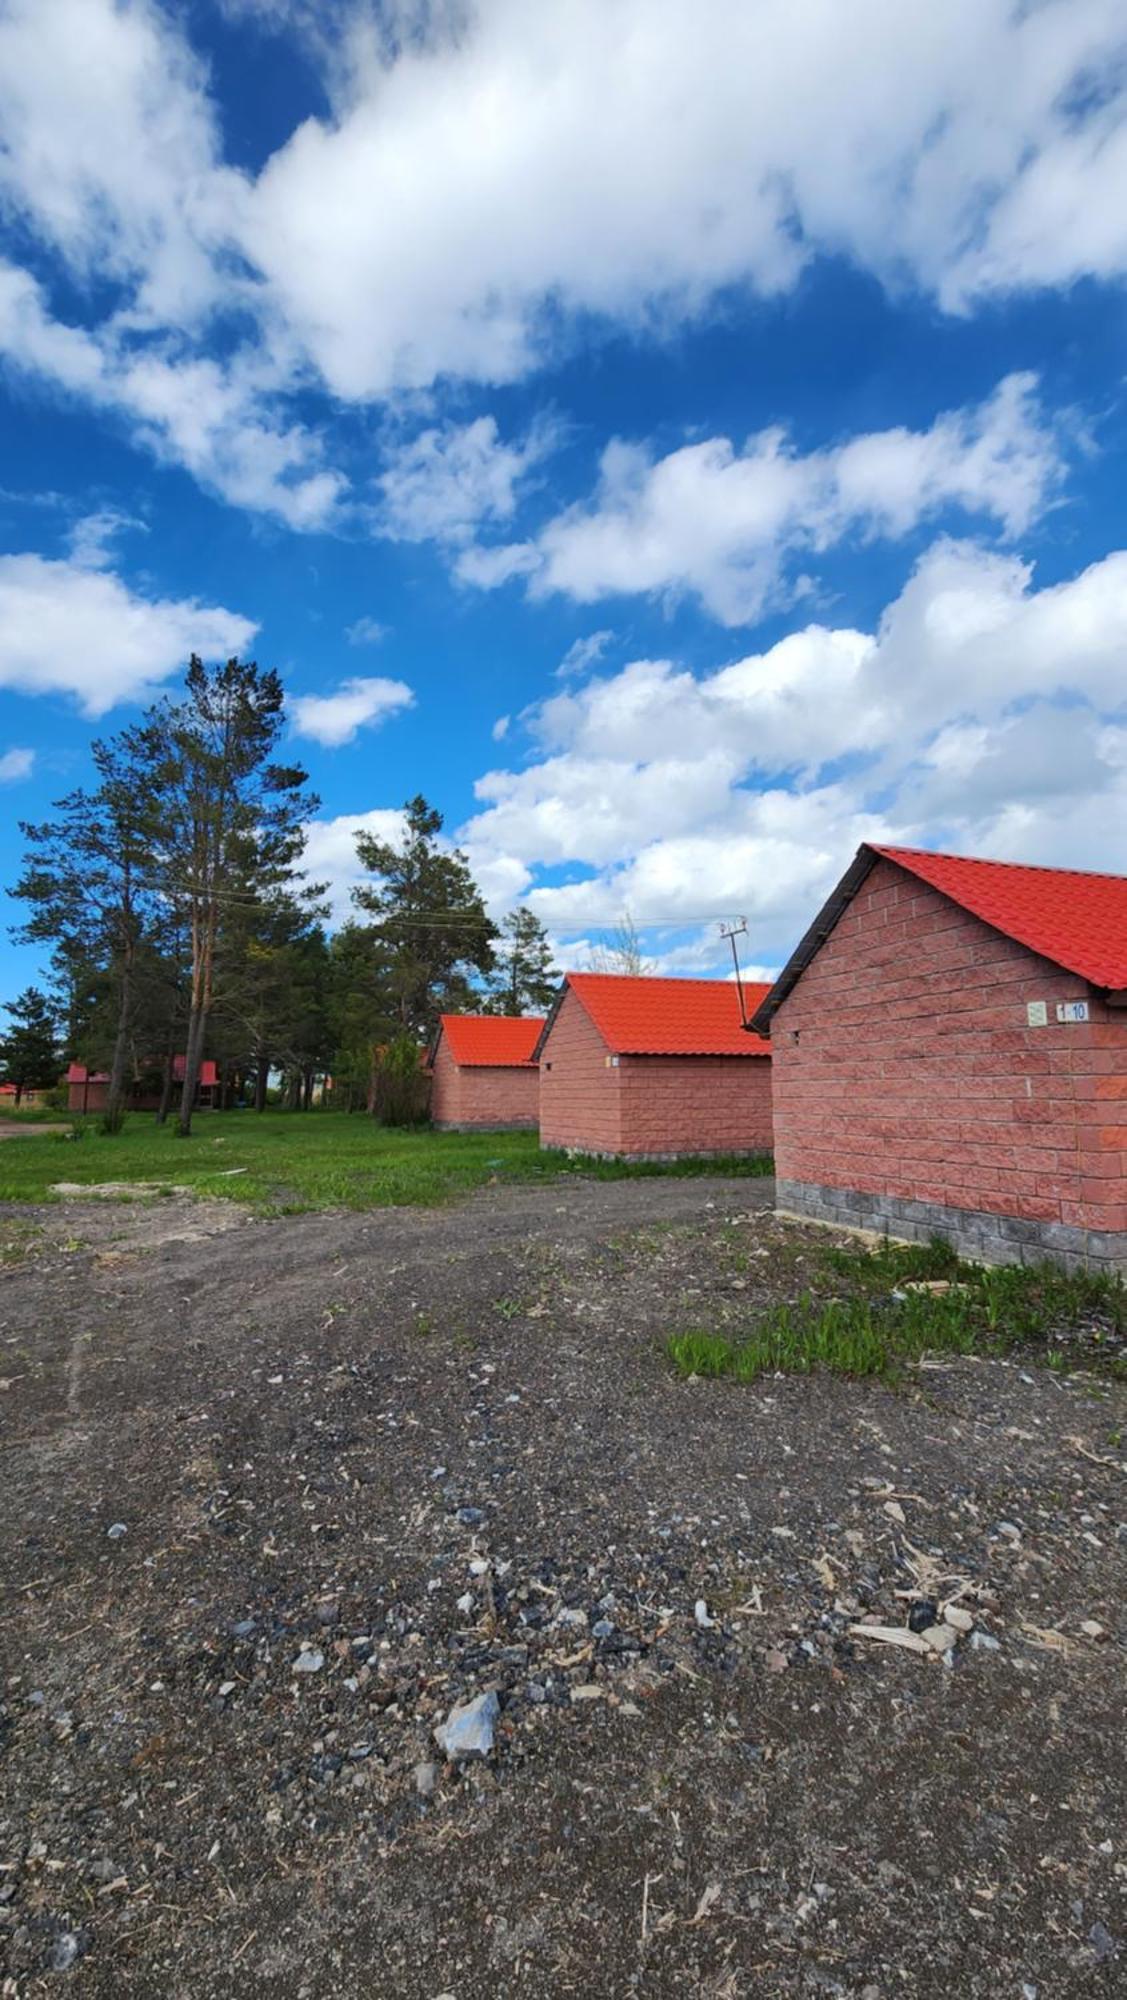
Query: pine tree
{"points": [[527, 979], [29, 1049], [232, 820], [428, 911], [89, 879]]}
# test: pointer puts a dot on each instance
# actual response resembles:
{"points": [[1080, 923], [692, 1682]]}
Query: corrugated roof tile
{"points": [[492, 1041], [1076, 919], [670, 1017]]}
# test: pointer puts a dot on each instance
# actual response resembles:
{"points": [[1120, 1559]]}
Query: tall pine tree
{"points": [[232, 820], [526, 979], [428, 911]]}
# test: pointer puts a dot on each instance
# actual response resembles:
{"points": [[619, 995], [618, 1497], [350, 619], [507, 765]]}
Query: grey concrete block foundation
{"points": [[976, 1234], [475, 1125]]}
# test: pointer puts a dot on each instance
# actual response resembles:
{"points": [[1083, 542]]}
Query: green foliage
{"points": [[429, 914], [402, 1086], [527, 979], [29, 1047], [232, 824]]}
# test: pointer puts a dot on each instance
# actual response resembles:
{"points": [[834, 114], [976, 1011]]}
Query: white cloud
{"points": [[583, 653], [494, 180], [727, 526], [500, 728], [93, 535], [984, 713], [110, 147], [68, 629], [356, 704], [215, 418], [16, 764], [365, 632], [447, 482], [479, 185]]}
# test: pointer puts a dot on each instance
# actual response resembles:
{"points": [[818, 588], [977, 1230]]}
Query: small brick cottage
{"points": [[653, 1068], [484, 1074], [88, 1090], [949, 1049]]}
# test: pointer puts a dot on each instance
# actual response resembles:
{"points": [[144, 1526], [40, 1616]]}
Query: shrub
{"points": [[402, 1087]]}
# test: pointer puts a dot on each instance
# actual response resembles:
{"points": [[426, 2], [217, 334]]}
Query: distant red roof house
{"points": [[653, 1068], [950, 1057], [88, 1090], [24, 1097], [484, 1073]]}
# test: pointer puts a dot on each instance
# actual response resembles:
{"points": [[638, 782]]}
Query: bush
{"points": [[402, 1086]]}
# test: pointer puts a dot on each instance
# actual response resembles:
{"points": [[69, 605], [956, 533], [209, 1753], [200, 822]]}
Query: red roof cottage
{"points": [[88, 1090], [484, 1073], [950, 1057], [653, 1068]]}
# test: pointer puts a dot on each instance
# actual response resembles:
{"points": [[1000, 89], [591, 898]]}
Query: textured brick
{"points": [[479, 1098], [654, 1107], [914, 1073]]}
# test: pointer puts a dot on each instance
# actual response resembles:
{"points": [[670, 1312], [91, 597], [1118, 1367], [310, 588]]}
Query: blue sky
{"points": [[680, 440]]}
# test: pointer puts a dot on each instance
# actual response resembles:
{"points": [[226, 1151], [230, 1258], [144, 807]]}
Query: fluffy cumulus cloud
{"points": [[336, 718], [621, 160], [726, 525], [67, 628], [985, 711], [490, 177]]}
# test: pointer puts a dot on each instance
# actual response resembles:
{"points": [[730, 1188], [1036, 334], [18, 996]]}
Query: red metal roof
{"points": [[669, 1017], [1078, 920], [491, 1041]]}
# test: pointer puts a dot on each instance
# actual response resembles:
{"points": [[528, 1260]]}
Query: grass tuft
{"points": [[880, 1325]]}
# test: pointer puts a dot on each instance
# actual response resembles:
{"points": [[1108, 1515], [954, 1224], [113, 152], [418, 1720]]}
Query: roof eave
{"points": [[826, 921], [550, 1020]]}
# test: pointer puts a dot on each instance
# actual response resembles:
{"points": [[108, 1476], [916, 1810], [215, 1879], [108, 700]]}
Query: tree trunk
{"points": [[197, 1025], [307, 1090], [115, 1094], [165, 1105], [261, 1078]]}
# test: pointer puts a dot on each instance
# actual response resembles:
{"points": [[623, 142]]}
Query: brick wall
{"points": [[579, 1091], [695, 1104], [905, 1071], [490, 1097], [648, 1105]]}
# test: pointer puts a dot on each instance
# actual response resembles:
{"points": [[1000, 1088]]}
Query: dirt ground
{"points": [[10, 1130], [276, 1495]]}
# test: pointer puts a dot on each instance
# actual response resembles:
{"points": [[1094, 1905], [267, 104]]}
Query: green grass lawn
{"points": [[288, 1161]]}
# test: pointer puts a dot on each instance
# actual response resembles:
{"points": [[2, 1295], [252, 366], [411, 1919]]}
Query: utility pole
{"points": [[732, 932]]}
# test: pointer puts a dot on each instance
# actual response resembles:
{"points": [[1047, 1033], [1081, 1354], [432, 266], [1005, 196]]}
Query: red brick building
{"points": [[484, 1074], [950, 1058], [88, 1090], [653, 1069]]}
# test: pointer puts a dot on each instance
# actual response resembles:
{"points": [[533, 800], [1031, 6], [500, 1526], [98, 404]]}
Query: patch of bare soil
{"points": [[276, 1501], [10, 1129]]}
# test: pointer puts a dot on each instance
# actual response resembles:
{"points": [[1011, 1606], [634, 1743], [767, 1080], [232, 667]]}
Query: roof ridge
{"points": [[988, 861]]}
